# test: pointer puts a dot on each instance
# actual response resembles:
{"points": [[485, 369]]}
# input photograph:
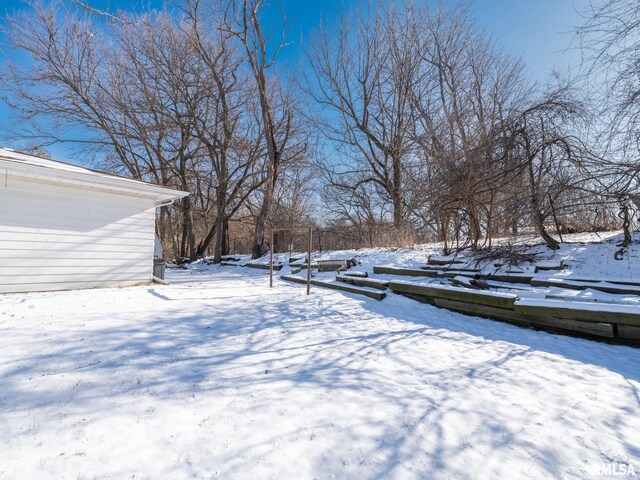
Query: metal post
{"points": [[271, 261], [309, 261]]}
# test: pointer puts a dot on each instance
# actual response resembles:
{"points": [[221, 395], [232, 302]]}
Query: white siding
{"points": [[58, 237]]}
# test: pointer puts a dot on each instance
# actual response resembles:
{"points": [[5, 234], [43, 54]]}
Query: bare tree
{"points": [[362, 78], [610, 44], [161, 95], [549, 149], [71, 81], [225, 125], [243, 19]]}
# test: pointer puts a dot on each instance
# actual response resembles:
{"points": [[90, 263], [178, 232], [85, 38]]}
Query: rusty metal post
{"points": [[309, 261], [271, 260]]}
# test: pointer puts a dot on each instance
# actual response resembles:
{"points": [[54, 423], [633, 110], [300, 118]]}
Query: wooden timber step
{"points": [[435, 260], [231, 264], [629, 333], [304, 266], [451, 267], [264, 266], [549, 265], [582, 285], [430, 292], [508, 278], [411, 272], [457, 273], [356, 274], [293, 278], [230, 258], [627, 283], [332, 265], [605, 330], [478, 284], [377, 295], [467, 283], [574, 298], [363, 282], [621, 282], [618, 314], [434, 273], [502, 286]]}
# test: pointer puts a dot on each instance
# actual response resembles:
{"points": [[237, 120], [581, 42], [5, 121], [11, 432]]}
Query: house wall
{"points": [[59, 237]]}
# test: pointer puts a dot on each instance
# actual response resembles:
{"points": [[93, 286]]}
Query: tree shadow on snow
{"points": [[412, 371]]}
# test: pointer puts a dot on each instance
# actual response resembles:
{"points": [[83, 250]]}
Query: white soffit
{"points": [[31, 166]]}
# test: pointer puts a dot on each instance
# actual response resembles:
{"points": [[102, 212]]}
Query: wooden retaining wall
{"points": [[264, 266], [622, 325], [345, 287], [363, 282], [449, 273], [607, 287], [411, 272], [500, 300]]}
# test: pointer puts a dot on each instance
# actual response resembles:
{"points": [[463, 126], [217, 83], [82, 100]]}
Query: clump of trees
{"points": [[405, 124], [441, 133], [185, 99]]}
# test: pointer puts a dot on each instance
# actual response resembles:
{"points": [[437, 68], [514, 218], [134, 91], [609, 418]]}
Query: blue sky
{"points": [[537, 30]]}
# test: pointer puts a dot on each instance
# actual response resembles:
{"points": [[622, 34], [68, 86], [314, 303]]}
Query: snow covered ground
{"points": [[218, 376], [585, 254]]}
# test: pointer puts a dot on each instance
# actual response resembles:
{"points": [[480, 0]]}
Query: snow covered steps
{"points": [[363, 282], [451, 268], [345, 287], [608, 287], [335, 264], [604, 321], [303, 265], [264, 266], [411, 272], [433, 292], [443, 260], [356, 274], [428, 272], [546, 265]]}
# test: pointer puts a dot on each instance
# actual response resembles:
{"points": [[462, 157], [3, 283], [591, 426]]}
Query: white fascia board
{"points": [[91, 179]]}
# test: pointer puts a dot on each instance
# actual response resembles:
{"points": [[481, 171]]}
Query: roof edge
{"points": [[71, 174]]}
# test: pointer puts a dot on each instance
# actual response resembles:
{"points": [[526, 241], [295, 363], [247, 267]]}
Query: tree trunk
{"points": [[258, 239], [174, 239], [538, 218], [538, 222], [221, 202], [398, 216], [626, 223], [188, 229], [225, 243]]}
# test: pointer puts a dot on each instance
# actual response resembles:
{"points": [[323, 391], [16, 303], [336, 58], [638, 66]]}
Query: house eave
{"points": [[90, 179]]}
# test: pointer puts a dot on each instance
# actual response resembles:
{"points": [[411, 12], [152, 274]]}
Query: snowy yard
{"points": [[217, 376]]}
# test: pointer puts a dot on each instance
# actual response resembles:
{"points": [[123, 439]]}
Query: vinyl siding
{"points": [[59, 237]]}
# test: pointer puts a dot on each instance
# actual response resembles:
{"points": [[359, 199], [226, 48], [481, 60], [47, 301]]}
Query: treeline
{"points": [[402, 125], [441, 132], [185, 99]]}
